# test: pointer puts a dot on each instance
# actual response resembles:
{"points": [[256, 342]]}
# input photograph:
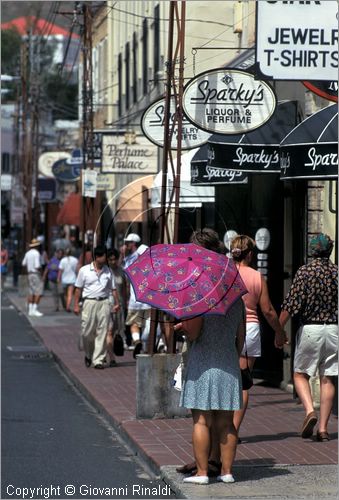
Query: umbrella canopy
{"points": [[185, 280], [256, 151], [310, 150]]}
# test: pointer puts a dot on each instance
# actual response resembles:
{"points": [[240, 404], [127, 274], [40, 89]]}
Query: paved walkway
{"points": [[270, 432]]}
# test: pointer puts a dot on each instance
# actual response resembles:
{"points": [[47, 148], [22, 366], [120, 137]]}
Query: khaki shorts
{"points": [[137, 317], [35, 284], [317, 348]]}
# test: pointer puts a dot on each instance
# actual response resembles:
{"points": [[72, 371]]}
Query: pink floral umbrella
{"points": [[185, 280]]}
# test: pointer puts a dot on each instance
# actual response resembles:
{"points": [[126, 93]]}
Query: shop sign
{"points": [[46, 190], [46, 161], [89, 183], [228, 101], [327, 90], [6, 182], [297, 40], [153, 124], [65, 172], [203, 174], [128, 153], [309, 161], [105, 182], [247, 158]]}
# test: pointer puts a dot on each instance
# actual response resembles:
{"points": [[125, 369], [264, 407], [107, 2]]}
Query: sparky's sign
{"points": [[228, 101]]}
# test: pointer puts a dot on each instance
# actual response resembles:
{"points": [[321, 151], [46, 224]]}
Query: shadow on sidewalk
{"points": [[258, 468], [271, 437]]}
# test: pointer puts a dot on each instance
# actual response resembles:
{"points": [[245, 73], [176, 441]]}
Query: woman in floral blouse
{"points": [[314, 298]]}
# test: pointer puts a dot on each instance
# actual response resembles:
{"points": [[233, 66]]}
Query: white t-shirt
{"points": [[32, 260], [133, 304], [95, 284], [68, 265]]}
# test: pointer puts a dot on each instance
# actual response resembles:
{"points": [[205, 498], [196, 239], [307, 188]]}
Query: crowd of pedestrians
{"points": [[217, 346]]}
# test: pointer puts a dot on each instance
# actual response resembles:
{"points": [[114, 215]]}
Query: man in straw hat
{"points": [[313, 296], [32, 261]]}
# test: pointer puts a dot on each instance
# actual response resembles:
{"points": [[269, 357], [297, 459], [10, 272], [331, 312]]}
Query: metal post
{"points": [[170, 91]]}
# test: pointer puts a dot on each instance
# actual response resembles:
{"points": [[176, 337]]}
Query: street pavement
{"points": [[272, 462]]}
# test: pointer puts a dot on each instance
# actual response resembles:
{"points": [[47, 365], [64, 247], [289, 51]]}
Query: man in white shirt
{"points": [[96, 282], [138, 313], [32, 262]]}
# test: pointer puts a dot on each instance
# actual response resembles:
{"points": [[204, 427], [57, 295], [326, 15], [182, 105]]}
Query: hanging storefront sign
{"points": [[228, 101], [46, 190], [153, 121], [297, 40], [65, 172], [128, 153], [310, 150], [327, 90], [89, 183], [47, 160]]}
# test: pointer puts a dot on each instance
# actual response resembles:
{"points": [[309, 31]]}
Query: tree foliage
{"points": [[62, 96], [10, 52], [56, 91]]}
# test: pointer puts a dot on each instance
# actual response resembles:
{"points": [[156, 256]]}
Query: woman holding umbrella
{"points": [[202, 288], [212, 385]]}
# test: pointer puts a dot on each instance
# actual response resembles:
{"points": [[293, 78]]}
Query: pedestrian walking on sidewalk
{"points": [[212, 381], [51, 274], [3, 263], [32, 262], [67, 275], [242, 250], [313, 296], [117, 319], [138, 313], [96, 283]]}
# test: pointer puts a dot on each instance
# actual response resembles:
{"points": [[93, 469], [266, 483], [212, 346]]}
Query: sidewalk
{"points": [[271, 448]]}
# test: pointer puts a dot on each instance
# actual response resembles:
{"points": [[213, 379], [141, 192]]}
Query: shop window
{"points": [[144, 57], [120, 84], [5, 163], [127, 74], [156, 53], [135, 68]]}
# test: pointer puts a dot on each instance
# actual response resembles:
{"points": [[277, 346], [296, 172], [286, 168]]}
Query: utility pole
{"points": [[25, 153], [174, 88], [90, 207]]}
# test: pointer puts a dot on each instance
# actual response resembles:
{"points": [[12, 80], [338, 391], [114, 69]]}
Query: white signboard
{"points": [[122, 154], [298, 40], [228, 101], [6, 182], [153, 122], [89, 183]]}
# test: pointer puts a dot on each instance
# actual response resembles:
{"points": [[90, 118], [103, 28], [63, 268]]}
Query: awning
{"points": [[203, 174], [130, 200], [190, 196], [310, 150], [256, 151], [70, 211]]}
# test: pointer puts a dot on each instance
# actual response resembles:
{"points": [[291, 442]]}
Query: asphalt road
{"points": [[54, 444]]}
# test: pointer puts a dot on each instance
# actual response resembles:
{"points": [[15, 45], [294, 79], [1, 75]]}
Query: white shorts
{"points": [[317, 348], [253, 341]]}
